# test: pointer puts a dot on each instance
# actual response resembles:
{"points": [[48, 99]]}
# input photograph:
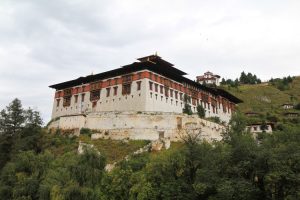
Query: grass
{"points": [[58, 144], [114, 150], [266, 98]]}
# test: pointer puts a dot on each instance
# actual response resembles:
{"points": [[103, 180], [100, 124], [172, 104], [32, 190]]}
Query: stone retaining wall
{"points": [[139, 125]]}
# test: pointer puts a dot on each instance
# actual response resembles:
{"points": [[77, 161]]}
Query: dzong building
{"points": [[151, 84]]}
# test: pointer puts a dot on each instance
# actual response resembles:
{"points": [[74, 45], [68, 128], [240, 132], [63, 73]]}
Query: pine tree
{"points": [[12, 118]]}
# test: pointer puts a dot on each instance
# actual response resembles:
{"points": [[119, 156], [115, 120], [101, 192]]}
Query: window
{"points": [[67, 92], [166, 91], [127, 78], [107, 92], [82, 97], [150, 85], [138, 85], [126, 89], [193, 101], [156, 87], [57, 102], [176, 95], [95, 86], [76, 98], [115, 91], [67, 101], [94, 95], [161, 89], [171, 93], [181, 96]]}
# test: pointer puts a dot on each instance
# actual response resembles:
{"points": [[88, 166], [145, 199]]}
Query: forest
{"points": [[35, 164]]}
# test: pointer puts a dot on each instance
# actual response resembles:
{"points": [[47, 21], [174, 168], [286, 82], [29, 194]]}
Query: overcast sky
{"points": [[43, 42]]}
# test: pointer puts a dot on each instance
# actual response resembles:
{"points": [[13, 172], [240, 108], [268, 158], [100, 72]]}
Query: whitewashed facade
{"points": [[151, 85]]}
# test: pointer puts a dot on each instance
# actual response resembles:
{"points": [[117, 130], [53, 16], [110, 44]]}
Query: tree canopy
{"points": [[45, 166]]}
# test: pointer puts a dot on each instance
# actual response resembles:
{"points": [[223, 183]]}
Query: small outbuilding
{"points": [[260, 127], [287, 106]]}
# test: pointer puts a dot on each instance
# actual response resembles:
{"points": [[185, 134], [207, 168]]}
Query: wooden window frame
{"points": [[93, 96], [115, 90], [126, 89]]}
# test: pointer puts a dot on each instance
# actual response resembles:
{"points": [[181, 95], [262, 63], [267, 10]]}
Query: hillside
{"points": [[264, 98]]}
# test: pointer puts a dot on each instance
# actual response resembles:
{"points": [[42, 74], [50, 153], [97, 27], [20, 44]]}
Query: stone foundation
{"points": [[139, 125]]}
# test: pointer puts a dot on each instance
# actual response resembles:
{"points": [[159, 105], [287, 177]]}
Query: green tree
{"points": [[201, 111], [187, 107], [19, 130], [12, 118]]}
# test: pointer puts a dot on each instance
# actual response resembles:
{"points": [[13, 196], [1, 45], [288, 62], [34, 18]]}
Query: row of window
{"points": [[95, 94], [165, 90]]}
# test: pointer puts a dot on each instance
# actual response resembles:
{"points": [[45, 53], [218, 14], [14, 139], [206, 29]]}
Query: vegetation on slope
{"points": [[267, 100], [114, 150], [35, 165]]}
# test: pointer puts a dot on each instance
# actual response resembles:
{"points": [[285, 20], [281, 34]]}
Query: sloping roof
{"points": [[155, 64]]}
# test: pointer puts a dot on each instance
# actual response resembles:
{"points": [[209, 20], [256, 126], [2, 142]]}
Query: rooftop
{"points": [[153, 63]]}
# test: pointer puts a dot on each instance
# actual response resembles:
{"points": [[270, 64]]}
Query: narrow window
{"points": [[82, 97], [57, 102], [126, 89], [115, 90], [138, 85], [76, 98], [161, 89], [150, 85], [166, 91], [171, 93], [156, 87], [107, 92], [181, 96], [176, 95]]}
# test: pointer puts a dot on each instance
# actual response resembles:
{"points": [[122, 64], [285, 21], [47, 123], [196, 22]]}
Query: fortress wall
{"points": [[146, 126]]}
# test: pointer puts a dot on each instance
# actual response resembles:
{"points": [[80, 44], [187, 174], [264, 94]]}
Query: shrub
{"points": [[86, 131], [200, 111]]}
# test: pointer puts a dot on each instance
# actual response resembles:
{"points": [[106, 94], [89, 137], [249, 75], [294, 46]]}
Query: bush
{"points": [[86, 131], [200, 111]]}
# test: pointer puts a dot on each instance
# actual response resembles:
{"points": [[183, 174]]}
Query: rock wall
{"points": [[140, 125]]}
